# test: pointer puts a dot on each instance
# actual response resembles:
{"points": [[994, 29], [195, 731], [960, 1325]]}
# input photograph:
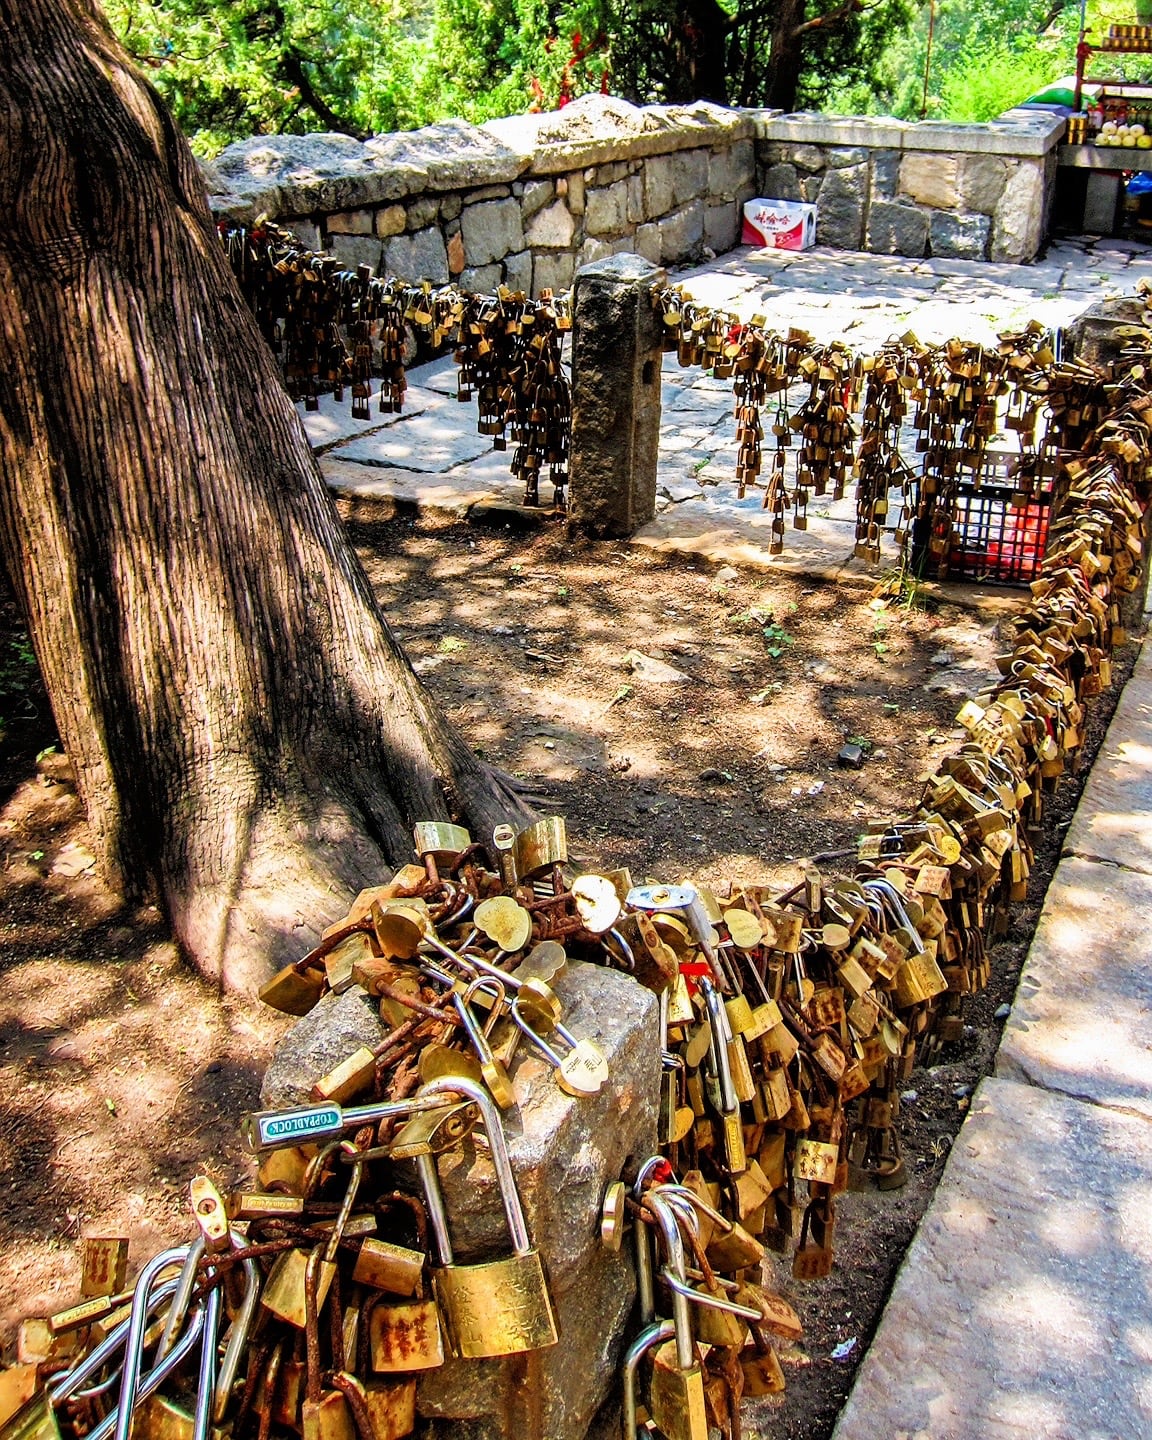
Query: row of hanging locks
{"points": [[311, 1302], [837, 415]]}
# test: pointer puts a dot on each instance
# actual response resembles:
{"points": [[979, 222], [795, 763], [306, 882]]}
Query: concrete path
{"points": [[1023, 1308], [431, 455]]}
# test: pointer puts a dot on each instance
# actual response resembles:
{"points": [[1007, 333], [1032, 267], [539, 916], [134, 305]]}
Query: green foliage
{"points": [[19, 681], [232, 68]]}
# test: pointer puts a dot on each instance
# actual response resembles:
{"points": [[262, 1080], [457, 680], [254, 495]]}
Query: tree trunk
{"points": [[250, 742], [785, 56]]}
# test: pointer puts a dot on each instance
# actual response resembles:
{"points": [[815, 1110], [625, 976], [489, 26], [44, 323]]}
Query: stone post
{"points": [[616, 353]]}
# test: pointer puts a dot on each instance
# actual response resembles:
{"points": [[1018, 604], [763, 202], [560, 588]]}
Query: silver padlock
{"points": [[501, 1307]]}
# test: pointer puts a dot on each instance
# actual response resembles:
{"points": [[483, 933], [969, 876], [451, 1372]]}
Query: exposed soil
{"points": [[123, 1075]]}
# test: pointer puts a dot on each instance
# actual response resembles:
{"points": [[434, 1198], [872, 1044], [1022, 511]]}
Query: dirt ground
{"points": [[123, 1075]]}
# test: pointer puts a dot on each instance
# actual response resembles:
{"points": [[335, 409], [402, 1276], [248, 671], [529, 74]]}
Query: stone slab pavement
{"points": [[1023, 1307], [431, 456]]}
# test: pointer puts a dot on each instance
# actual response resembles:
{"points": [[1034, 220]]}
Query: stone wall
{"points": [[521, 202], [969, 192], [527, 200]]}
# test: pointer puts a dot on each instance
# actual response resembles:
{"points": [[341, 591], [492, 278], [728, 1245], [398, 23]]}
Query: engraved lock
{"points": [[34, 1420], [444, 842], [540, 847], [293, 990], [582, 1071], [501, 1307], [676, 1394], [103, 1265], [18, 1385], [350, 1078], [505, 922], [597, 903], [404, 1336]]}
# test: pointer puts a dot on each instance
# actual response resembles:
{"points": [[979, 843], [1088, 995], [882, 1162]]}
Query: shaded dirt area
{"points": [[123, 1075]]}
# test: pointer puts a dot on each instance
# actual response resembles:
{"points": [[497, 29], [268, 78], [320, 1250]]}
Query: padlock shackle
{"points": [[651, 1336], [178, 1310], [149, 1383], [498, 1147], [709, 1302], [674, 1245], [134, 1342], [67, 1386], [238, 1335], [206, 1379]]}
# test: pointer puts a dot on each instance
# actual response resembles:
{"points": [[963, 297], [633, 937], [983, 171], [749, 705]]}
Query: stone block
{"points": [[307, 232], [811, 185], [982, 180], [635, 200], [885, 174], [487, 192], [1018, 221], [958, 237], [391, 220], [840, 157], [564, 1151], [575, 192], [1083, 1008], [682, 233], [455, 253], [551, 229], [537, 194], [930, 179], [349, 222], [307, 174], [689, 175], [317, 1043], [804, 157], [722, 224], [450, 207], [606, 209], [553, 271], [481, 279], [453, 154], [616, 374], [353, 250], [896, 229], [1021, 1307], [658, 199], [730, 169], [421, 212], [518, 271], [418, 257], [840, 210], [646, 242], [1113, 821], [781, 183], [239, 208], [491, 230], [593, 250]]}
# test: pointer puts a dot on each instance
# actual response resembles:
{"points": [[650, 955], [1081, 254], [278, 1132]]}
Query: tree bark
{"points": [[785, 56], [249, 740]]}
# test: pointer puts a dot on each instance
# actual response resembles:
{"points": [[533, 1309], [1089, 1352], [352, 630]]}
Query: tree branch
{"points": [[292, 67], [822, 22]]}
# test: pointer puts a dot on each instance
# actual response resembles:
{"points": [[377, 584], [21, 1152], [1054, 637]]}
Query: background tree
{"points": [[249, 741]]}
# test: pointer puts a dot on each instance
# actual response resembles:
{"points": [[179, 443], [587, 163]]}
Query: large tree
{"points": [[249, 741]]}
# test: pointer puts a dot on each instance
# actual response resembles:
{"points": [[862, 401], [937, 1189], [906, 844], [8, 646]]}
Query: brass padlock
{"points": [[541, 846], [325, 1414], [501, 1307]]}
